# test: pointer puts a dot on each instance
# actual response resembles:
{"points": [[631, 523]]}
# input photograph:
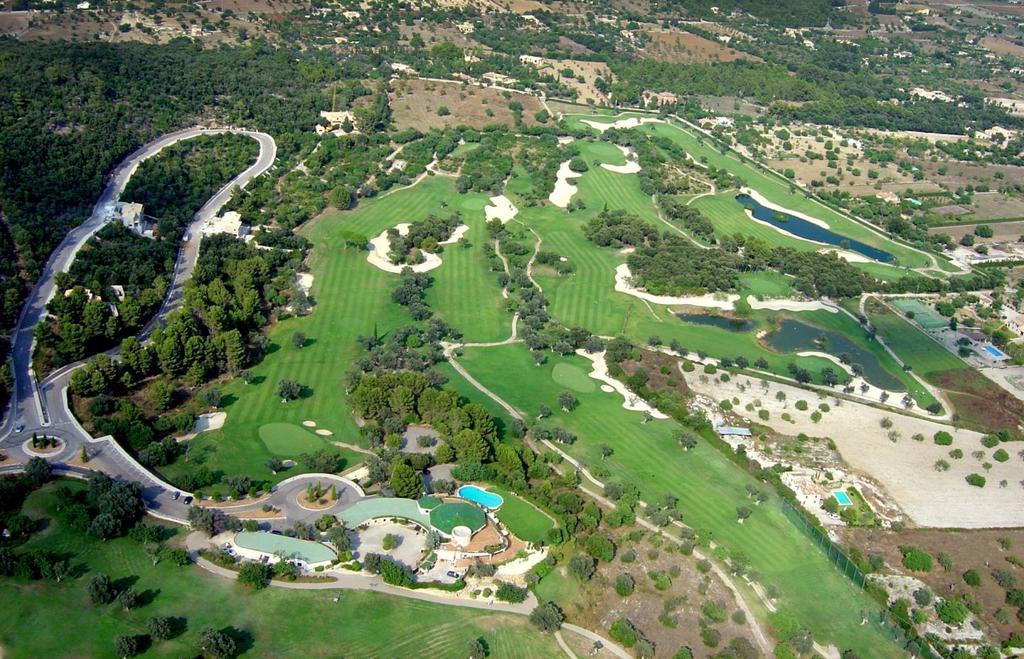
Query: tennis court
{"points": [[923, 315]]}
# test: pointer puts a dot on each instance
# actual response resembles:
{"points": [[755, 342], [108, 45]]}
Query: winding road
{"points": [[42, 406]]}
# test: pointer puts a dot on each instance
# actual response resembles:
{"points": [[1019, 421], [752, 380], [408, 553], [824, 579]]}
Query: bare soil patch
{"points": [[415, 104], [662, 374], [980, 402], [1001, 46], [683, 47], [583, 76], [598, 606], [978, 550]]}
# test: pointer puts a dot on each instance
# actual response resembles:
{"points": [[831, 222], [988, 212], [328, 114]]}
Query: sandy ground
{"points": [[323, 432], [456, 236], [500, 208], [205, 423], [304, 280], [632, 402], [848, 256], [723, 301], [381, 250], [631, 166], [631, 122], [564, 190], [905, 468], [309, 424]]}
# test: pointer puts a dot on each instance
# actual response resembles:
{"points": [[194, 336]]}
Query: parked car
{"points": [[453, 574], [188, 500], [176, 496], [19, 428]]}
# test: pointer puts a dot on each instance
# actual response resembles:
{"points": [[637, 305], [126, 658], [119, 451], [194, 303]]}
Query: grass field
{"points": [[923, 354], [766, 285], [708, 486], [521, 518], [574, 378], [728, 216], [456, 513], [353, 298], [273, 622], [289, 439], [924, 316]]}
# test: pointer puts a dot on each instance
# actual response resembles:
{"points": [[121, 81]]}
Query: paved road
{"points": [[24, 402], [42, 407]]}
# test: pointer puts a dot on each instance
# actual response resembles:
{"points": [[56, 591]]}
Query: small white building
{"points": [[130, 215], [229, 223]]}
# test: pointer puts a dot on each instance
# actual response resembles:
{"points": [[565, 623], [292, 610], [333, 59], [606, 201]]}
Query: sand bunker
{"points": [[380, 254], [847, 255], [632, 402], [304, 281], [723, 301], [631, 166], [309, 424], [456, 236], [205, 423], [607, 388], [564, 190], [632, 122], [323, 432], [500, 208]]}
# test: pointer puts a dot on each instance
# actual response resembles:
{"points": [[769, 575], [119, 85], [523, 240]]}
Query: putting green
{"points": [[456, 513], [574, 377], [289, 439]]}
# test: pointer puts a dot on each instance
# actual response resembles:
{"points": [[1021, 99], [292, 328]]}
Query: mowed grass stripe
{"points": [[709, 488]]}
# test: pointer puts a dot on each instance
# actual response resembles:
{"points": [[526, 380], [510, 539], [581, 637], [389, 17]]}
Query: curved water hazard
{"points": [[795, 336], [802, 228]]}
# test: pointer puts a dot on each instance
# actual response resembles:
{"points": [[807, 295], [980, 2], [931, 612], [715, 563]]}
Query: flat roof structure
{"points": [[272, 544]]}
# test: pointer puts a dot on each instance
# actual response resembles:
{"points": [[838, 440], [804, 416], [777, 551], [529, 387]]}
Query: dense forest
{"points": [[87, 316], [72, 111], [233, 290]]}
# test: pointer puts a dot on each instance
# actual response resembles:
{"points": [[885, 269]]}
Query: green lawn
{"points": [[923, 354], [729, 217], [457, 513], [708, 486], [353, 298], [766, 285], [44, 619], [521, 518], [574, 377], [289, 439]]}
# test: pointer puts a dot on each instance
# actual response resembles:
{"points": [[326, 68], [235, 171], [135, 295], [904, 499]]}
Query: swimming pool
{"points": [[843, 498], [994, 351], [481, 496]]}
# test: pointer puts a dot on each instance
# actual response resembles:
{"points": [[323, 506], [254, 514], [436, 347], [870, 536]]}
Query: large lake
{"points": [[808, 230]]}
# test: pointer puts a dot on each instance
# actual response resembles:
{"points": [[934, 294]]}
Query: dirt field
{"points": [[905, 468], [1001, 46], [598, 605], [683, 47], [1002, 231], [415, 103], [978, 550], [434, 34], [585, 73]]}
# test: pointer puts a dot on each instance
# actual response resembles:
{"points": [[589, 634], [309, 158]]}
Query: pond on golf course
{"points": [[796, 336], [721, 322], [808, 230]]}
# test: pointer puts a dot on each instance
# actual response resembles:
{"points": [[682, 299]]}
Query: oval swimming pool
{"points": [[481, 496]]}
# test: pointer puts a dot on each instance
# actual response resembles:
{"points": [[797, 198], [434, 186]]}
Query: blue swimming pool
{"points": [[994, 351], [481, 496], [843, 498]]}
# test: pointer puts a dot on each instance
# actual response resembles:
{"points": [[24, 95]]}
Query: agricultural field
{"points": [[679, 46], [418, 104], [645, 454], [263, 623]]}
